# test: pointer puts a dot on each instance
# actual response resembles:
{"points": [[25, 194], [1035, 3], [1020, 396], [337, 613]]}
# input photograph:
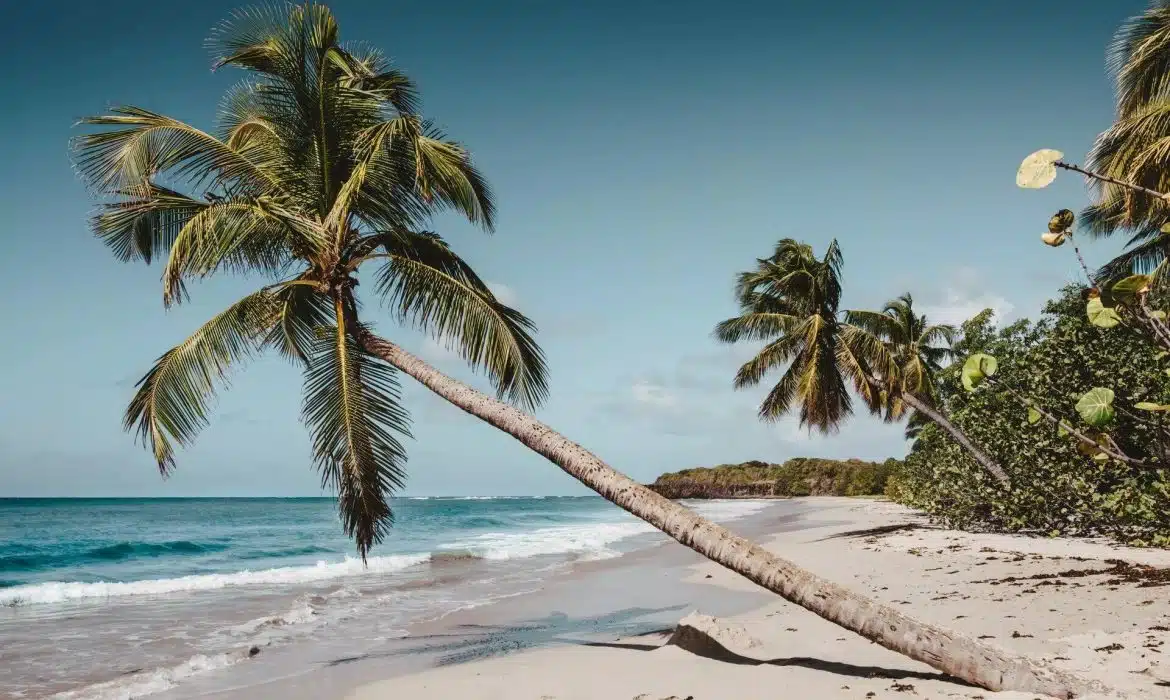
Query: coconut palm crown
{"points": [[918, 348], [321, 167], [791, 300]]}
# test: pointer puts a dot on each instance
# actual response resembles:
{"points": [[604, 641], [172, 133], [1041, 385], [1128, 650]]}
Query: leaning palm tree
{"points": [[918, 350], [889, 359], [323, 167]]}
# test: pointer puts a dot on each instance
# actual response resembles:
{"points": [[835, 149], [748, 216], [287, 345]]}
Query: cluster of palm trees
{"points": [[323, 166], [889, 358]]}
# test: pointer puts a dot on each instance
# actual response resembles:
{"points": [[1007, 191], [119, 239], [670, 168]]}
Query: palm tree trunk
{"points": [[939, 419], [956, 655]]}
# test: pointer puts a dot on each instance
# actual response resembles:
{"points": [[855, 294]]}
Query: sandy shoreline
{"points": [[1058, 600]]}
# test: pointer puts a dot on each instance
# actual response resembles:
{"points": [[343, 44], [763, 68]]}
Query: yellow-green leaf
{"points": [[1033, 416], [1038, 170], [977, 368], [1148, 406], [1096, 406], [1128, 289], [1100, 315]]}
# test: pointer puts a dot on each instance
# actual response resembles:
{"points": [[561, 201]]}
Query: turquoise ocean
{"points": [[106, 599]]}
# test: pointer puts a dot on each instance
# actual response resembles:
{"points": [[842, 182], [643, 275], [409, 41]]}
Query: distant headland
{"points": [[799, 476]]}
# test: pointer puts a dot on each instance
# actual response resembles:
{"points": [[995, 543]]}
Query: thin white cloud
{"points": [[653, 395], [959, 307], [505, 294]]}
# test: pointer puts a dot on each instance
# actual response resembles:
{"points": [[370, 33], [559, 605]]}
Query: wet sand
{"points": [[640, 592]]}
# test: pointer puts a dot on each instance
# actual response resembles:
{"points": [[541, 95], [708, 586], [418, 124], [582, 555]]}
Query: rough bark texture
{"points": [[938, 418], [959, 656]]}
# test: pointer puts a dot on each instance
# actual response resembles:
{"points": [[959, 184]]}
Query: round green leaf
{"points": [[977, 368], [1158, 314], [1038, 170], [1127, 290], [1033, 416], [1100, 315], [1096, 406], [1147, 406], [1061, 430]]}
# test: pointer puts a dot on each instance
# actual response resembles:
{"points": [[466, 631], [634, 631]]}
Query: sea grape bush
{"points": [[1074, 407], [1056, 487]]}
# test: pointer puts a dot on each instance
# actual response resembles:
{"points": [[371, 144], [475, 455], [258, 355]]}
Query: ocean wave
{"points": [[155, 681], [60, 591], [593, 538], [285, 552], [33, 560]]}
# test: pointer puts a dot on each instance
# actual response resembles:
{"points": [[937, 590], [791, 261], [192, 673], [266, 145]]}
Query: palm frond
{"points": [[238, 234], [368, 70], [1142, 256], [880, 325], [1139, 58], [302, 313], [432, 288], [755, 326], [144, 222], [824, 396], [862, 357], [418, 171], [150, 144], [773, 355], [353, 410], [936, 334], [171, 401]]}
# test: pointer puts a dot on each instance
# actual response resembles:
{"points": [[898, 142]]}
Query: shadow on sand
{"points": [[475, 642]]}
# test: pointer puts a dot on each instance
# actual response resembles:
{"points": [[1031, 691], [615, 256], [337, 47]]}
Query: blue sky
{"points": [[642, 153]]}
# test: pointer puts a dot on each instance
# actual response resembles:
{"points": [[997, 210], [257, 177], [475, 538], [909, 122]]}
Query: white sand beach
{"points": [[1040, 597]]}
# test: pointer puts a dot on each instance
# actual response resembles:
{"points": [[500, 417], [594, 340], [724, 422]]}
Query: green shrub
{"points": [[1055, 489]]}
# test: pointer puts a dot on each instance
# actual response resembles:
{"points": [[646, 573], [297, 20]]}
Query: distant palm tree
{"points": [[1136, 147], [790, 300], [321, 167], [917, 350], [889, 358]]}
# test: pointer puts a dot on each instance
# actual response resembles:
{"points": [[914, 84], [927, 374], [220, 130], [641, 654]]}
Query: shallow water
{"points": [[125, 598]]}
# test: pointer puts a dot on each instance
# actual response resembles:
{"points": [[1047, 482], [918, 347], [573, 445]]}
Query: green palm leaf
{"points": [[144, 221], [1139, 58], [353, 409], [432, 288], [171, 402], [302, 313], [151, 143]]}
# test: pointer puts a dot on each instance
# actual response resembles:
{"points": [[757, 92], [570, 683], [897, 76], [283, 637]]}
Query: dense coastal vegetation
{"points": [[799, 476]]}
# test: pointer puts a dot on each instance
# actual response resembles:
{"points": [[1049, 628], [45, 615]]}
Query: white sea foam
{"points": [[151, 682], [561, 539], [724, 510], [56, 592]]}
